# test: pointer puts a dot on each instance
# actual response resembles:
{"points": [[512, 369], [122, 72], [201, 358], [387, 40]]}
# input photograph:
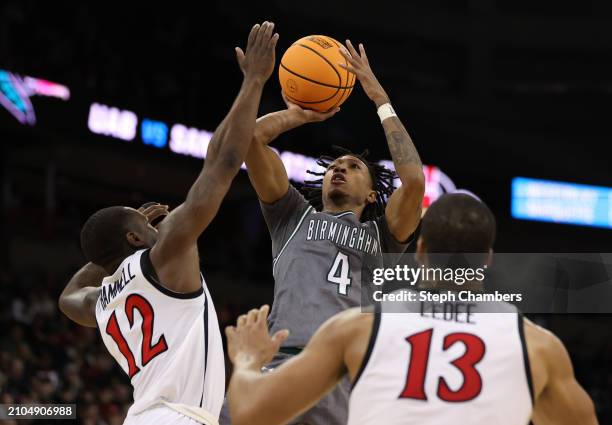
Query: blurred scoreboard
{"points": [[560, 202], [124, 125]]}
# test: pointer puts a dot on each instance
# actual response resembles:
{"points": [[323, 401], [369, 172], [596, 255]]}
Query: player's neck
{"points": [[337, 208], [112, 265]]}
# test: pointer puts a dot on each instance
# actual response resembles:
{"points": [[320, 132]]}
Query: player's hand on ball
{"points": [[359, 65], [259, 59], [308, 115], [249, 341]]}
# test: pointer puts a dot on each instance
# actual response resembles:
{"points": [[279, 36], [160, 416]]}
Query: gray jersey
{"points": [[317, 264]]}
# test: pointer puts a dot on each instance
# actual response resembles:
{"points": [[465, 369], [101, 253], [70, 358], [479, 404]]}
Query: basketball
{"points": [[310, 76]]}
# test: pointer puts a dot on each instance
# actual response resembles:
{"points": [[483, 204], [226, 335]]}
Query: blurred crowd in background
{"points": [[45, 358]]}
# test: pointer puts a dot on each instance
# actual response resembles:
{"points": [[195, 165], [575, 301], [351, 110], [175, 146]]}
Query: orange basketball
{"points": [[310, 76]]}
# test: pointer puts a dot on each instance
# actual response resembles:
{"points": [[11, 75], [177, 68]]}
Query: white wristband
{"points": [[386, 111]]}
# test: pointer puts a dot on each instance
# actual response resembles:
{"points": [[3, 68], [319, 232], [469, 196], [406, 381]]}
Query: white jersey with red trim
{"points": [[168, 343], [452, 363]]}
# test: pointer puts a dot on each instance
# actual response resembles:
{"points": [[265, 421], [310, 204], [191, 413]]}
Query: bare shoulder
{"points": [[352, 331], [351, 320], [344, 328], [548, 357], [355, 313], [542, 341], [559, 397]]}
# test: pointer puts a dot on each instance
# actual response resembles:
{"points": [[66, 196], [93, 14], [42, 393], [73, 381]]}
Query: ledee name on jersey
{"points": [[109, 292], [449, 311], [342, 234]]}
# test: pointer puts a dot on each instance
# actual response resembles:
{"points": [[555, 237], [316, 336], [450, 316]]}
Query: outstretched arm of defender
{"points": [[266, 170], [559, 398], [403, 211], [174, 256], [276, 397]]}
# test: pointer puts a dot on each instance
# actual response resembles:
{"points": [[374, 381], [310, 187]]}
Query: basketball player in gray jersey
{"points": [[319, 242]]}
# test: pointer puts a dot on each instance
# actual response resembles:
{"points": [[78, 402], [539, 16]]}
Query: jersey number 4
{"points": [[420, 344], [340, 273], [148, 350]]}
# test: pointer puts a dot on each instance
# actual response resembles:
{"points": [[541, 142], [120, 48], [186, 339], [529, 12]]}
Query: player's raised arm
{"points": [[276, 397], [176, 248], [403, 210], [559, 398], [266, 171]]}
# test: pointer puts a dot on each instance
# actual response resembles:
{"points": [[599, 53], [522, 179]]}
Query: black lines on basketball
{"points": [[325, 59], [345, 92], [315, 81]]}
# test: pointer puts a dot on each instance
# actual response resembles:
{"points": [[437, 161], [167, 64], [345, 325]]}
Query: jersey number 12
{"points": [[340, 273], [148, 350]]}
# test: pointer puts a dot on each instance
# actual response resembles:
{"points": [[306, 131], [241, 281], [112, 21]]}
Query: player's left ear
{"points": [[134, 239], [371, 198]]}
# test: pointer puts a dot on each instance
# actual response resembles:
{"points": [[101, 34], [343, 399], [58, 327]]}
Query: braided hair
{"points": [[382, 183]]}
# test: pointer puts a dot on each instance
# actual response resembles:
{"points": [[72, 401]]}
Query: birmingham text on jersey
{"points": [[108, 292], [342, 234]]}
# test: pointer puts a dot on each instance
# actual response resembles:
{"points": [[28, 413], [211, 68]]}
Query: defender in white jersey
{"points": [[139, 320], [483, 364], [153, 309]]}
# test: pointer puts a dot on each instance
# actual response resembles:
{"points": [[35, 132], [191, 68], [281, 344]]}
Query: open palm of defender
{"points": [[250, 342], [259, 58]]}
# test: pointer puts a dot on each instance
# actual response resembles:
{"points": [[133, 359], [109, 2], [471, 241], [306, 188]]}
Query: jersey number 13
{"points": [[420, 344]]}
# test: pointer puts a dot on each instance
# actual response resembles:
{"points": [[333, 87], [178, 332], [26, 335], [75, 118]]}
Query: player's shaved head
{"points": [[104, 234], [458, 223]]}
